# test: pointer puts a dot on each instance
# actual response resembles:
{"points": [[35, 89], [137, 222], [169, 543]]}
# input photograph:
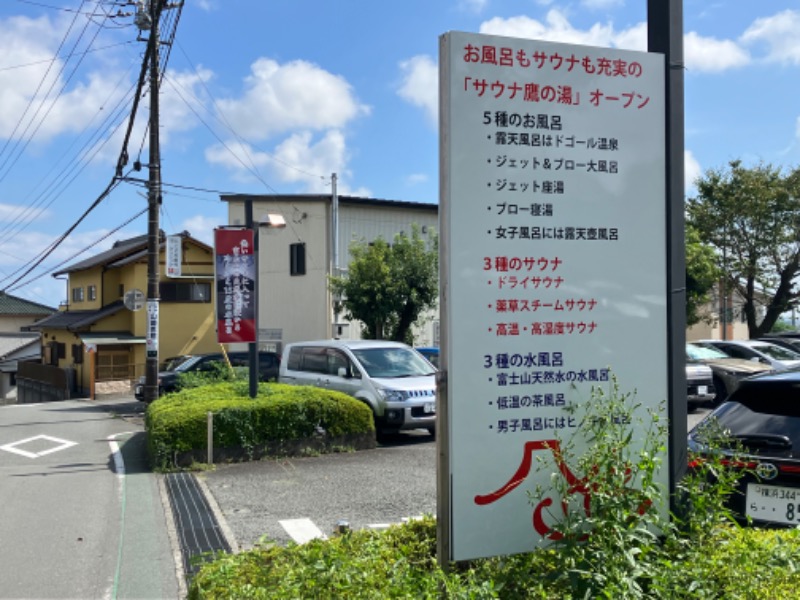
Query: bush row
{"points": [[281, 419]]}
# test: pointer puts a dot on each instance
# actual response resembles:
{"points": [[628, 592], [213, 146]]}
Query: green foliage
{"points": [[702, 274], [752, 217], [388, 287], [734, 564], [215, 372], [177, 422], [621, 548], [609, 549]]}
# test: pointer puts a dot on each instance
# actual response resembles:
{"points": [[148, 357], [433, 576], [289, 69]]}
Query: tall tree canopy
{"points": [[388, 287], [702, 274], [752, 217]]}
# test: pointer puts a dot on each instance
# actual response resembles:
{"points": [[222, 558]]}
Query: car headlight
{"points": [[393, 395]]}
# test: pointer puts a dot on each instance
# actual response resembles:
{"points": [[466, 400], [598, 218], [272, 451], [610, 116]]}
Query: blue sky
{"points": [[274, 96]]}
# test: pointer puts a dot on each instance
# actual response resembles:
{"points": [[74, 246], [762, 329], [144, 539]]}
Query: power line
{"points": [[77, 254], [50, 249]]}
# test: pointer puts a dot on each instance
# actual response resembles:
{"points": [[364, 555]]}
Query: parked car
{"points": [[763, 414], [699, 383], [778, 357], [793, 343], [268, 367], [431, 353], [390, 377], [727, 371]]}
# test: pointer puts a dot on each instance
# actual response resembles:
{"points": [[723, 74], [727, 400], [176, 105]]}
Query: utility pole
{"points": [[153, 207]]}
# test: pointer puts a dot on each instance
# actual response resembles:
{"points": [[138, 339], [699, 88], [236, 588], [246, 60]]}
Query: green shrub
{"points": [[177, 423], [217, 372], [616, 550]]}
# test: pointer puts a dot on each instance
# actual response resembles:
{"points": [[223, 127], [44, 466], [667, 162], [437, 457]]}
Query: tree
{"points": [[752, 217], [702, 274], [389, 287]]}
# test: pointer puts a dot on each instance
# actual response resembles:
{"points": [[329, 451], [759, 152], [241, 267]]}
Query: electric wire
{"points": [[53, 184], [51, 248], [34, 96], [79, 252], [85, 52], [114, 183]]}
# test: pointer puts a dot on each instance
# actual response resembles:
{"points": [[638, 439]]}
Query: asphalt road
{"points": [[81, 515]]}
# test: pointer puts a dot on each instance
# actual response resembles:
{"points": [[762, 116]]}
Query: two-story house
{"points": [[16, 343], [99, 334]]}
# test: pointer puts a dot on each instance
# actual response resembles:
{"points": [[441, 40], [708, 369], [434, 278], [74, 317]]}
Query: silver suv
{"points": [[393, 379]]}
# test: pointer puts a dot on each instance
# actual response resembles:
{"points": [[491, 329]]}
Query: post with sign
{"points": [[553, 258], [235, 276]]}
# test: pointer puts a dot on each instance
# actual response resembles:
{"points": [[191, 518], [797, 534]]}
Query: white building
{"points": [[295, 262]]}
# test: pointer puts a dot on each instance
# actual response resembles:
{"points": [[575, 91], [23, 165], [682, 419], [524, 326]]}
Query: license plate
{"points": [[773, 503], [429, 408], [702, 390]]}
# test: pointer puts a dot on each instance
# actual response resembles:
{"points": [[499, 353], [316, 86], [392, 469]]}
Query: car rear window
{"points": [[769, 396]]}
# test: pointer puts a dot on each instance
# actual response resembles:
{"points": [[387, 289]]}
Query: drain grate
{"points": [[198, 530]]}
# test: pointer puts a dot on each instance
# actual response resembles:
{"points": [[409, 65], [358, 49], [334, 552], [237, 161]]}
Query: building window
{"points": [[297, 259], [53, 352], [77, 294], [173, 291], [92, 292]]}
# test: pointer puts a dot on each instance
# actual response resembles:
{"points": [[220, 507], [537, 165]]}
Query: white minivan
{"points": [[393, 379]]}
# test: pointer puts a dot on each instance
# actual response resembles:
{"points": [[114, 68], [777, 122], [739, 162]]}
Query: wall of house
{"points": [[15, 323], [83, 281]]}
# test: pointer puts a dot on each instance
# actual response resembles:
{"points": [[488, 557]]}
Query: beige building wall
{"points": [[300, 307]]}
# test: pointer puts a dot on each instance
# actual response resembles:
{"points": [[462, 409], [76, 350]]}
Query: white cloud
{"points": [[14, 213], [420, 85], [31, 76], [417, 178], [710, 55], [702, 54], [779, 33], [602, 4], [300, 159], [691, 171], [555, 28], [201, 227], [297, 95], [474, 6]]}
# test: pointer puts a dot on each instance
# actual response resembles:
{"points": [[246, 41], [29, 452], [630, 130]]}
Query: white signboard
{"points": [[174, 253], [554, 262], [151, 340]]}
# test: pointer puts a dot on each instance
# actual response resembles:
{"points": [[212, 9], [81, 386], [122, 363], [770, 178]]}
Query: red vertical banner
{"points": [[235, 275]]}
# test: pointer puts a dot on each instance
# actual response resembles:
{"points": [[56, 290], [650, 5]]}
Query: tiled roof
{"points": [[12, 305], [73, 320], [119, 250], [122, 252]]}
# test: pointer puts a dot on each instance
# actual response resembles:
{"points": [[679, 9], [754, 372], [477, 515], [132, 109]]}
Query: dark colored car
{"points": [[763, 414], [268, 367], [431, 353], [792, 343]]}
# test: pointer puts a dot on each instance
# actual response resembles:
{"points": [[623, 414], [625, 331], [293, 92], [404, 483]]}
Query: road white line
{"points": [[302, 530]]}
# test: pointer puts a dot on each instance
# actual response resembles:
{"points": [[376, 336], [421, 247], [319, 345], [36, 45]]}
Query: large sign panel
{"points": [[235, 275], [554, 263]]}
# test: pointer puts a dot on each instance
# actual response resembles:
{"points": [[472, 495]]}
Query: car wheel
{"points": [[721, 392]]}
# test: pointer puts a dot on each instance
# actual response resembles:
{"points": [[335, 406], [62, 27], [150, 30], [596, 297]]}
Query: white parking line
{"points": [[302, 530], [61, 445]]}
